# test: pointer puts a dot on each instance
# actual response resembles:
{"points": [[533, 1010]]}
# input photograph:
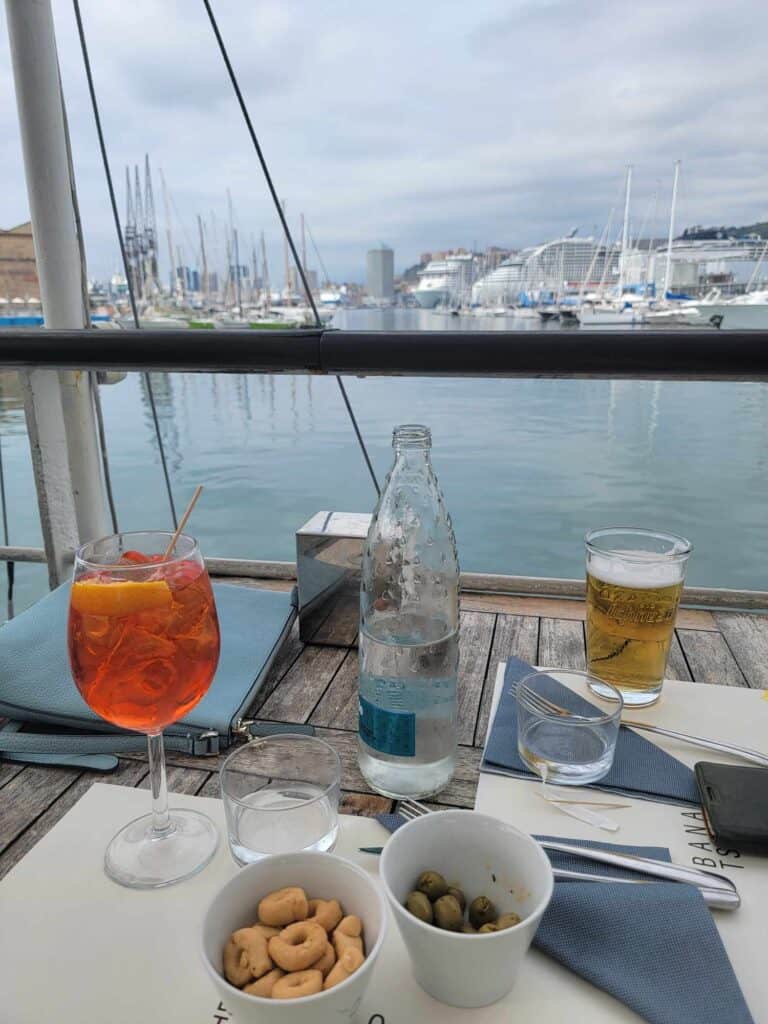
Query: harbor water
{"points": [[526, 466]]}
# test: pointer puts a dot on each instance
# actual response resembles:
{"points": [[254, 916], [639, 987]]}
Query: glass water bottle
{"points": [[409, 629]]}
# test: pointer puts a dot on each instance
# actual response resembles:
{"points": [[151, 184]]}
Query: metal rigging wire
{"points": [[284, 223], [10, 567], [123, 254]]}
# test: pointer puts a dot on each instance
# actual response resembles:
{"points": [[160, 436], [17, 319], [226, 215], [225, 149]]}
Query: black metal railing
{"points": [[685, 354]]}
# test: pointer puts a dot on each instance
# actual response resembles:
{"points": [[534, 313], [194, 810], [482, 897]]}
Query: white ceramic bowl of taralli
{"points": [[321, 875], [486, 857]]}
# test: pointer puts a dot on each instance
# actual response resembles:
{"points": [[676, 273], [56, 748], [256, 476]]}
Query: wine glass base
{"points": [[139, 859]]}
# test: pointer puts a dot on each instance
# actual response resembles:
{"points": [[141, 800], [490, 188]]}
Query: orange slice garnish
{"points": [[121, 597]]}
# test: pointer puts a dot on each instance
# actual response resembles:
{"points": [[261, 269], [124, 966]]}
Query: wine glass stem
{"points": [[161, 820]]}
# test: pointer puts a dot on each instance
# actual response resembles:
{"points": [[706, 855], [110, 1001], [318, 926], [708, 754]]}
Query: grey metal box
{"points": [[329, 551]]}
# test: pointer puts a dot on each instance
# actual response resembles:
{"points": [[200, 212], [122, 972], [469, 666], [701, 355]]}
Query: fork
{"points": [[717, 891], [544, 706]]}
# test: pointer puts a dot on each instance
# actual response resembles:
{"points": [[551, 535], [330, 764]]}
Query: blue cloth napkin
{"points": [[654, 947], [640, 768]]}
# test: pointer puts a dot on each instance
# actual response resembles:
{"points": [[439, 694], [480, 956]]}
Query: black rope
{"points": [[104, 455], [123, 254], [10, 567], [284, 223]]}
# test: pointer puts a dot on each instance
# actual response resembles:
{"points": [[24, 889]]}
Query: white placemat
{"points": [[722, 712], [75, 947]]}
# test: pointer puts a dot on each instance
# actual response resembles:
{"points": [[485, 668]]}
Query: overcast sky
{"points": [[424, 124]]}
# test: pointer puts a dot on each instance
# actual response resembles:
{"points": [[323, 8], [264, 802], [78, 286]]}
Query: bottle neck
{"points": [[412, 443]]}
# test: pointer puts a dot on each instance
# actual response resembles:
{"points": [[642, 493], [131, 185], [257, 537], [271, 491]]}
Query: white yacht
{"points": [[625, 312], [743, 313]]}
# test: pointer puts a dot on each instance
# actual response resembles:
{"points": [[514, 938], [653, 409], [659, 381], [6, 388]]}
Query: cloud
{"points": [[424, 124]]}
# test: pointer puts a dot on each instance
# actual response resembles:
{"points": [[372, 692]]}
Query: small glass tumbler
{"points": [[281, 795], [566, 733]]}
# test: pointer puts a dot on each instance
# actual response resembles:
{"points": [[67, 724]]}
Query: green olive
{"points": [[491, 926], [468, 929], [454, 889], [448, 914], [507, 921], [481, 911], [418, 904], [432, 884]]}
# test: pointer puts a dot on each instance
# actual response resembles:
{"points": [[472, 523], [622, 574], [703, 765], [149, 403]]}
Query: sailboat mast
{"points": [[266, 287], [254, 271], [181, 275], [203, 258], [668, 268], [150, 230], [169, 236], [238, 293], [286, 265], [303, 244], [625, 232]]}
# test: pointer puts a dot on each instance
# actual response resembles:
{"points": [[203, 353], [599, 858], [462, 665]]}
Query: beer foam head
{"points": [[640, 569]]}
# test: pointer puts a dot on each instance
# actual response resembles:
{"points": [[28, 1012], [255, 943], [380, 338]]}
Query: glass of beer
{"points": [[143, 648], [634, 582]]}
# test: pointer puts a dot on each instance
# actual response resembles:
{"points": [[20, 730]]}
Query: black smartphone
{"points": [[735, 803]]}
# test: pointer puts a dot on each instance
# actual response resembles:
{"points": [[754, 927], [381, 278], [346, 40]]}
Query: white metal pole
{"points": [[60, 410], [668, 268]]}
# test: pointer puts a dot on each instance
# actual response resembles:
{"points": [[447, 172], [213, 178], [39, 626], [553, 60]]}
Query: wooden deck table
{"points": [[315, 684]]}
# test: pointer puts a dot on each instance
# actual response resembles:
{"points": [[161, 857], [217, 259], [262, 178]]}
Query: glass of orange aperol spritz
{"points": [[143, 647]]}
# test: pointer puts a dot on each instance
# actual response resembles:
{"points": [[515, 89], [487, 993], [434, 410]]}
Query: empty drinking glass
{"points": [[281, 795], [566, 733]]}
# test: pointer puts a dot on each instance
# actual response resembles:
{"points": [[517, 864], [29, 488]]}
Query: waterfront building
{"points": [[18, 270], [380, 273]]}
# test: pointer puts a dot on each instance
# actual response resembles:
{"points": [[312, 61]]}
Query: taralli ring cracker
{"points": [[301, 983], [283, 907], [298, 947]]}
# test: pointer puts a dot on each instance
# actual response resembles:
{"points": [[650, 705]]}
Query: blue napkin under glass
{"points": [[654, 947], [640, 768]]}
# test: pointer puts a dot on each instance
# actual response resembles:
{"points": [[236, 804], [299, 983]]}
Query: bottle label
{"points": [[389, 732]]}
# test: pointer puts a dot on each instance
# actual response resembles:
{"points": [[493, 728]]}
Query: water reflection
{"points": [[526, 465], [162, 390]]}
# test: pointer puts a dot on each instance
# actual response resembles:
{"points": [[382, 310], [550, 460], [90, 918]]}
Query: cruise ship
{"points": [[445, 282], [545, 272]]}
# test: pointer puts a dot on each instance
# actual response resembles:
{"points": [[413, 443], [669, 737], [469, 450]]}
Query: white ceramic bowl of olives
{"points": [[466, 955]]}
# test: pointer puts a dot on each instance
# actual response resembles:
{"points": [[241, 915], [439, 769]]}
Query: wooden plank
{"points": [[180, 780], [516, 635], [9, 770], [211, 786], [367, 805], [127, 773], [27, 796], [561, 644], [338, 705], [297, 695], [475, 637], [562, 608], [677, 667], [341, 625], [286, 656], [747, 637], [710, 658]]}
